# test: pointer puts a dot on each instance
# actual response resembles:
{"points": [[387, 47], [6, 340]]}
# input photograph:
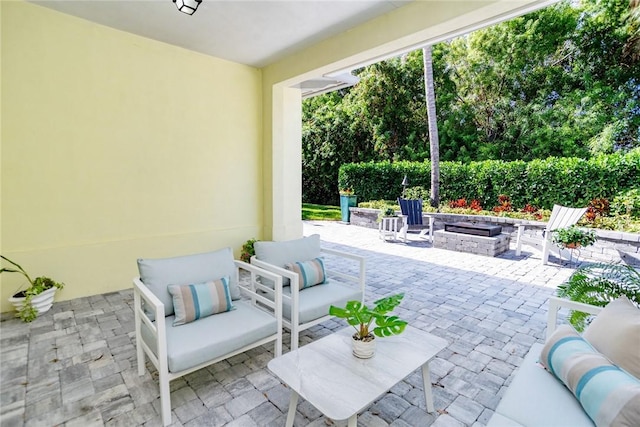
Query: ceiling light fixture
{"points": [[187, 6]]}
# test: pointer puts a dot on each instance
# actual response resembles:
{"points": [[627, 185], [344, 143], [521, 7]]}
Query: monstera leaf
{"points": [[361, 317], [388, 325], [354, 312]]}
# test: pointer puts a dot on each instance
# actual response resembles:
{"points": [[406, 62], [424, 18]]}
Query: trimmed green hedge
{"points": [[568, 181]]}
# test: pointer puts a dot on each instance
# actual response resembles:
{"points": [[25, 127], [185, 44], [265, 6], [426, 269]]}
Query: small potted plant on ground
{"points": [[37, 298], [573, 237], [362, 319], [248, 250]]}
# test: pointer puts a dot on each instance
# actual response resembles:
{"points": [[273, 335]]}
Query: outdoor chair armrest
{"points": [[360, 278], [556, 303], [250, 291], [142, 292]]}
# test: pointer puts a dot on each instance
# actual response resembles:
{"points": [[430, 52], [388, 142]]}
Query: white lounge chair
{"points": [[561, 217], [302, 306], [175, 350]]}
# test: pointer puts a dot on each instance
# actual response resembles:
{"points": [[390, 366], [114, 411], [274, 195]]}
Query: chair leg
{"points": [[546, 246], [295, 332], [141, 359], [431, 221], [519, 241], [277, 351], [165, 398]]}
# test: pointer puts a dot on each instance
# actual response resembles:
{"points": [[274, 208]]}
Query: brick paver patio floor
{"points": [[75, 365]]}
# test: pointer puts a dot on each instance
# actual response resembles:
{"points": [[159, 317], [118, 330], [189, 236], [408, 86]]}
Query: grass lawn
{"points": [[320, 212]]}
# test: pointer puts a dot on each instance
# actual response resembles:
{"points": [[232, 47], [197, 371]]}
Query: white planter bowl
{"points": [[364, 349], [42, 302]]}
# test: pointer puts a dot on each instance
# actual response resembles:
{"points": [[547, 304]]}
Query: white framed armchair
{"points": [[304, 304], [179, 301], [561, 217]]}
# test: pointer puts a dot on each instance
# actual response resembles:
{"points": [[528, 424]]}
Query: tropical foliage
{"points": [[561, 82], [599, 284]]}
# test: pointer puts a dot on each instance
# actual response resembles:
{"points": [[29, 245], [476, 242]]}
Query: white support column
{"points": [[286, 158]]}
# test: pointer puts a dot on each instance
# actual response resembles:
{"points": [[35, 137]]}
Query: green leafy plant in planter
{"points": [[385, 212], [26, 310], [247, 250], [598, 284], [362, 318], [573, 237]]}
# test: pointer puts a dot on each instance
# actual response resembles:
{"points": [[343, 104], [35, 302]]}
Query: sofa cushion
{"points": [[281, 253], [314, 302], [608, 394], [537, 398], [158, 274], [310, 273], [615, 332], [199, 300], [216, 335]]}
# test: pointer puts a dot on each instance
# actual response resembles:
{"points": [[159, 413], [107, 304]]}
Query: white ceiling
{"points": [[255, 32]]}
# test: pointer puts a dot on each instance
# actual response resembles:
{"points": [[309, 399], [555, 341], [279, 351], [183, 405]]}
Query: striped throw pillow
{"points": [[608, 394], [196, 301], [310, 272]]}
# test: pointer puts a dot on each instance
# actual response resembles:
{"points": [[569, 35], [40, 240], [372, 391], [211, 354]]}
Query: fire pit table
{"points": [[475, 238]]}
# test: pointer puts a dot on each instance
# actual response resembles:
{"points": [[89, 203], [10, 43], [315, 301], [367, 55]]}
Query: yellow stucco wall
{"points": [[116, 147]]}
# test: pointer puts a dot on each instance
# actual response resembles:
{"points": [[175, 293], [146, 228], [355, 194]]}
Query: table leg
{"points": [[426, 382], [293, 402], [353, 421]]}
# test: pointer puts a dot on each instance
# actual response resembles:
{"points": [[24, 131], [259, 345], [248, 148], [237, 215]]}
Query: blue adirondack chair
{"points": [[412, 213]]}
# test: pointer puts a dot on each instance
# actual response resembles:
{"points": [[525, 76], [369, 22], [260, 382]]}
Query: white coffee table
{"points": [[340, 385]]}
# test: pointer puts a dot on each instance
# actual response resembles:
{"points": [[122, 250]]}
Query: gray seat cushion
{"points": [[159, 273], [536, 398], [315, 301], [214, 336]]}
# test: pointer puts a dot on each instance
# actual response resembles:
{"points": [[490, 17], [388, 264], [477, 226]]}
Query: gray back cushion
{"points": [[158, 274], [281, 253]]}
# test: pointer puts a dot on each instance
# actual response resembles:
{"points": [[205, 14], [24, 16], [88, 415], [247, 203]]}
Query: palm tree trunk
{"points": [[434, 143]]}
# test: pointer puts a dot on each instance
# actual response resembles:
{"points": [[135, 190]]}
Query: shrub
{"points": [[565, 181], [475, 205], [597, 208], [627, 203], [417, 193], [504, 204], [460, 203], [379, 204]]}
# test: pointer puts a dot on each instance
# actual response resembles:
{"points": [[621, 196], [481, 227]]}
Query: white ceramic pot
{"points": [[41, 302], [364, 349]]}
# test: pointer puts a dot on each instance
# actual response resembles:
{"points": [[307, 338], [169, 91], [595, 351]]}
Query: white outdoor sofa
{"points": [[175, 351], [536, 398], [304, 307]]}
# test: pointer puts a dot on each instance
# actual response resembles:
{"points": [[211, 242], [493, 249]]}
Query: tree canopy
{"points": [[562, 81]]}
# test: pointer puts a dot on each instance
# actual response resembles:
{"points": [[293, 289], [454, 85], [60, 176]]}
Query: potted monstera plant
{"points": [[370, 323], [37, 298]]}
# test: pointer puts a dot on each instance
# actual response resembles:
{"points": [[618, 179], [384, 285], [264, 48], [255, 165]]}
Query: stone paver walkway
{"points": [[75, 365]]}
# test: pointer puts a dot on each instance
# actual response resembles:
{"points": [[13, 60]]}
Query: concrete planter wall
{"points": [[611, 246]]}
